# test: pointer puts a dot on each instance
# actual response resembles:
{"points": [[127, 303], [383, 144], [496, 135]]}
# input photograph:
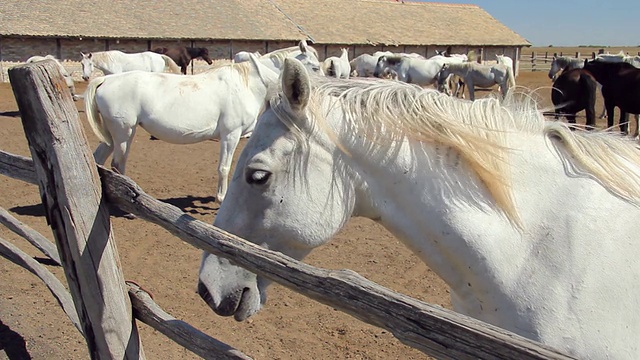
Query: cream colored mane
{"points": [[103, 57], [476, 130]]}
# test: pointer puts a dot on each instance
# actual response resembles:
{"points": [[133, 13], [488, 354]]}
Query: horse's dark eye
{"points": [[257, 177]]}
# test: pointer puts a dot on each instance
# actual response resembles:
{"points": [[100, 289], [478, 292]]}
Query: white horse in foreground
{"points": [[222, 103], [533, 226], [479, 75], [115, 62], [68, 79], [337, 67]]}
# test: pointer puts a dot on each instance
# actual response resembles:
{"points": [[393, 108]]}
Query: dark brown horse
{"points": [[183, 55], [620, 87], [573, 91]]}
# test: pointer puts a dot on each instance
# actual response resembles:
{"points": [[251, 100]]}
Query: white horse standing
{"points": [[363, 65], [275, 59], [115, 62], [68, 79], [338, 67], [410, 70], [222, 103], [510, 210], [484, 76]]}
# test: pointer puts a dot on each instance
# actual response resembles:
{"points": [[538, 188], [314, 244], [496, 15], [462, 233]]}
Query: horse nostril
{"points": [[204, 292]]}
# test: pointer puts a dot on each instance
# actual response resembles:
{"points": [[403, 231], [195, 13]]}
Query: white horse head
{"points": [[505, 207], [87, 65]]}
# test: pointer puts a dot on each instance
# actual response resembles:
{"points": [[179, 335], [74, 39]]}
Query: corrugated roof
{"points": [[324, 21]]}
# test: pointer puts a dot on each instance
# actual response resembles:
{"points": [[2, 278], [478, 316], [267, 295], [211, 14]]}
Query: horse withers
{"points": [[620, 87], [573, 91], [183, 55]]}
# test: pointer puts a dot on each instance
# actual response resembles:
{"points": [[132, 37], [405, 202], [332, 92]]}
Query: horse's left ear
{"points": [[303, 46], [296, 84]]}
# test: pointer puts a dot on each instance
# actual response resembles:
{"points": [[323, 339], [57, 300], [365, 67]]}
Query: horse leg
{"points": [[120, 154], [121, 148], [609, 106], [635, 131], [623, 123], [471, 88], [102, 152], [228, 144]]}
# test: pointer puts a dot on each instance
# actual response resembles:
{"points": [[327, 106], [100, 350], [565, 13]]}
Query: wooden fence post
{"points": [[533, 61], [76, 210]]}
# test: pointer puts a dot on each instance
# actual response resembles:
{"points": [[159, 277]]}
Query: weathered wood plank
{"points": [[35, 238], [192, 339], [17, 167], [18, 257], [72, 196], [431, 329]]}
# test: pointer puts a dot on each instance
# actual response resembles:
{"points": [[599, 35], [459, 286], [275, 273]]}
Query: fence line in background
{"points": [[541, 61]]}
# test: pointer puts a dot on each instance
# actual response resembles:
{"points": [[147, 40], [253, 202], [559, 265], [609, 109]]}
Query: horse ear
{"points": [[593, 55], [296, 84], [303, 46]]}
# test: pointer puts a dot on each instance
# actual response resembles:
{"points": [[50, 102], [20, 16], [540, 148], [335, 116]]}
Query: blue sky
{"points": [[543, 22]]}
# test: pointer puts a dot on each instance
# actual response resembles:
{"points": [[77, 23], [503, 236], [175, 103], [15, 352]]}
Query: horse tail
{"points": [[332, 68], [93, 113], [171, 64], [511, 78], [328, 67]]}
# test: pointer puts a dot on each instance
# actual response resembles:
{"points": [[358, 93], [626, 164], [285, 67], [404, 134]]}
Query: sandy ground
{"points": [[289, 327]]}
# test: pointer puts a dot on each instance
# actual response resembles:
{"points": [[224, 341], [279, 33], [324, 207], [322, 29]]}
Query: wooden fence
{"points": [[541, 61], [75, 193]]}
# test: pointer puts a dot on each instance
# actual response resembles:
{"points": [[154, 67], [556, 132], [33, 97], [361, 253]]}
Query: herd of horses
{"points": [[508, 208], [574, 90]]}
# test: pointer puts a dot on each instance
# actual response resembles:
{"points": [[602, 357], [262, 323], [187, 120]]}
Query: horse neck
{"points": [[104, 61], [432, 206]]}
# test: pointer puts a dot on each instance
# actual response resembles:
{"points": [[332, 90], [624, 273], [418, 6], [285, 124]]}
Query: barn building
{"points": [[65, 28]]}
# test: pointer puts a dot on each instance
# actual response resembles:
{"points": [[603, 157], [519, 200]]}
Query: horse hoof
{"points": [[153, 138], [129, 216]]}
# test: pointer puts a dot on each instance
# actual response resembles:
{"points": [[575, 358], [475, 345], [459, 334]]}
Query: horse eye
{"points": [[257, 177]]}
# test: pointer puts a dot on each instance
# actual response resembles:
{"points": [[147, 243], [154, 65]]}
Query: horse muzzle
{"points": [[241, 303]]}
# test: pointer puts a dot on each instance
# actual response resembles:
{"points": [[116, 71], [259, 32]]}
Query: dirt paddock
{"points": [[291, 326]]}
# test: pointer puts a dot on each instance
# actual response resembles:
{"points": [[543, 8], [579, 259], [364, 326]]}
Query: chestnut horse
{"points": [[183, 55]]}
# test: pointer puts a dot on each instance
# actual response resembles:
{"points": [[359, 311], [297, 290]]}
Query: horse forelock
{"points": [[477, 130]]}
